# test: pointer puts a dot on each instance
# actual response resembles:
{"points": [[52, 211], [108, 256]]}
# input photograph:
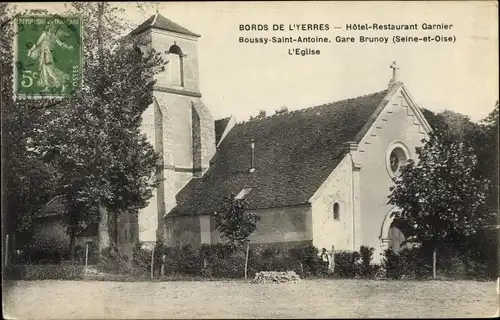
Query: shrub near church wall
{"points": [[219, 261], [356, 264]]}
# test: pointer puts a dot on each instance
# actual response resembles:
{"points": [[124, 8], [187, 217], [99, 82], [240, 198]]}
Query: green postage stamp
{"points": [[49, 56]]}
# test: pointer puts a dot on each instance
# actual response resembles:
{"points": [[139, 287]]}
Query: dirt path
{"points": [[221, 299]]}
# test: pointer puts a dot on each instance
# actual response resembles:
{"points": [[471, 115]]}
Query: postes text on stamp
{"points": [[48, 56]]}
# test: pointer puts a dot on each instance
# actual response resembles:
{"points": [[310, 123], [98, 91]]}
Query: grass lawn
{"points": [[237, 299]]}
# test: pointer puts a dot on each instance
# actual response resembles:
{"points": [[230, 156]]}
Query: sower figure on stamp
{"points": [[50, 75]]}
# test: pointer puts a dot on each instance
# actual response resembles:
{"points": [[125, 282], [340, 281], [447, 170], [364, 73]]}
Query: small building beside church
{"points": [[317, 176]]}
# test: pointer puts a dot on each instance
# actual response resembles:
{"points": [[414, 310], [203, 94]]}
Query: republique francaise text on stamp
{"points": [[48, 56]]}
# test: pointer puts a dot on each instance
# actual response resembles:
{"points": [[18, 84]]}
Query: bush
{"points": [[43, 251], [309, 258], [408, 263], [347, 264], [183, 260], [141, 258], [65, 271], [219, 251], [366, 269], [392, 264], [93, 254], [354, 264], [269, 258], [230, 267], [223, 261], [114, 262], [14, 272]]}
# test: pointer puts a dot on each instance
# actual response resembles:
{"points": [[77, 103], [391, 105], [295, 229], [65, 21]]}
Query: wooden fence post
{"points": [[6, 250], [333, 259], [434, 264], [152, 262], [163, 259], [246, 261], [86, 257]]}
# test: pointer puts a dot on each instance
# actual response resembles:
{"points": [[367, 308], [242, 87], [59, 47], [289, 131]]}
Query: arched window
{"points": [[336, 211], [176, 65]]}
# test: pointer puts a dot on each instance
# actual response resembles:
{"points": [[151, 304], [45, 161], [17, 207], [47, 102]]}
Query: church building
{"points": [[317, 176]]}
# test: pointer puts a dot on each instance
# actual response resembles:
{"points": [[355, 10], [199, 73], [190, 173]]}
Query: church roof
{"points": [[294, 154], [220, 126], [54, 208], [160, 22]]}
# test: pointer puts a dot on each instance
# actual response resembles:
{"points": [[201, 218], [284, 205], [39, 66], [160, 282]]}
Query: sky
{"points": [[241, 78]]}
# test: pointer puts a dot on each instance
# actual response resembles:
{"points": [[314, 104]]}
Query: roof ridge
{"points": [[274, 115], [154, 19], [159, 21], [224, 118]]}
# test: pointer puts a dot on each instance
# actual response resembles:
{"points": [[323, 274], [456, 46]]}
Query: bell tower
{"points": [[177, 123]]}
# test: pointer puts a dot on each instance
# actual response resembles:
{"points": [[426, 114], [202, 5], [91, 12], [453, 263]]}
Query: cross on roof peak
{"points": [[395, 69]]}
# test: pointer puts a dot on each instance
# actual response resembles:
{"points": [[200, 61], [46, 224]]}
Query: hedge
{"points": [[416, 263], [63, 271], [354, 264], [221, 261], [42, 251]]}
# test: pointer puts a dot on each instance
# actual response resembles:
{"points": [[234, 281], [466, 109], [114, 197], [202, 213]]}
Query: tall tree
{"points": [[103, 158], [28, 180], [90, 143], [260, 116], [439, 199], [486, 144], [482, 137]]}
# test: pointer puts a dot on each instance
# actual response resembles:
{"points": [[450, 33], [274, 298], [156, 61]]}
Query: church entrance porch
{"points": [[391, 235]]}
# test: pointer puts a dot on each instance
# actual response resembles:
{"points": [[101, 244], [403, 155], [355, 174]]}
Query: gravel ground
{"points": [[237, 299]]}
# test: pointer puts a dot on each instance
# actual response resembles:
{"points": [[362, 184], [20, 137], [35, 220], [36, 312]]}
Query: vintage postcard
{"points": [[305, 159]]}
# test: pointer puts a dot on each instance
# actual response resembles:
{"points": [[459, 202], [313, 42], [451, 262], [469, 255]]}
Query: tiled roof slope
{"points": [[294, 154], [160, 22], [54, 207], [220, 126], [188, 190]]}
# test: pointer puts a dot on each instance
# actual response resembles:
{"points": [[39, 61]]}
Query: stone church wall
{"points": [[183, 230], [179, 126], [277, 225], [162, 41], [327, 229], [397, 123]]}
